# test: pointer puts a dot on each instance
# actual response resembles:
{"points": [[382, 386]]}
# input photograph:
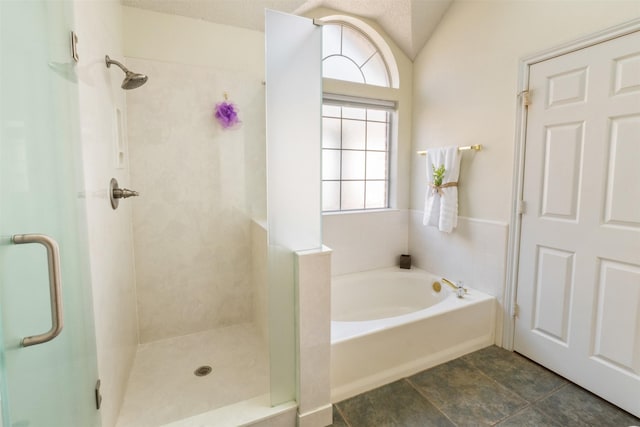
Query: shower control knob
{"points": [[116, 193], [123, 193]]}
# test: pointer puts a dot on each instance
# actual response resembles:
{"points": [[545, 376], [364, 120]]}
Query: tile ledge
{"points": [[470, 219]]}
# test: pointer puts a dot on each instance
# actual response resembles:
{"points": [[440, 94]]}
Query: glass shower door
{"points": [[50, 384], [293, 105]]}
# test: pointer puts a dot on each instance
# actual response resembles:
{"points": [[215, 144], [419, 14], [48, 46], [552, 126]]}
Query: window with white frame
{"points": [[355, 155], [356, 131], [348, 54]]}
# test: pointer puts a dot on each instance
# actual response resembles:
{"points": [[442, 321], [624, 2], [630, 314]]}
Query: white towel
{"points": [[442, 210]]}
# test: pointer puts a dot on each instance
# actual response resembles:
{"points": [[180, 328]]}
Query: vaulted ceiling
{"points": [[409, 23]]}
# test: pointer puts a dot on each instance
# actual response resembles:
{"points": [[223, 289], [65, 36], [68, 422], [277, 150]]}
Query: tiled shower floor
{"points": [[162, 386], [490, 387]]}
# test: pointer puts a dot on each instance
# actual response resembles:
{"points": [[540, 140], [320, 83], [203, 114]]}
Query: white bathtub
{"points": [[389, 323]]}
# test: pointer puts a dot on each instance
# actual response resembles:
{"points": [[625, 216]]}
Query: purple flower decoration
{"points": [[226, 115]]}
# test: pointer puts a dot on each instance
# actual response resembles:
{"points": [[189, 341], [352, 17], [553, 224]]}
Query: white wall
{"points": [[199, 184], [99, 28], [465, 87]]}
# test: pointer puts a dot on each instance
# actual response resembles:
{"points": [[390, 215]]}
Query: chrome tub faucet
{"points": [[458, 287]]}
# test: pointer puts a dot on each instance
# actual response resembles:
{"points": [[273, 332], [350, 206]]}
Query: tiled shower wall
{"points": [[191, 222]]}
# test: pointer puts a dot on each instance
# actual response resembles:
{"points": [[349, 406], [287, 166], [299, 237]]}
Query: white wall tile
{"points": [[474, 253], [365, 240]]}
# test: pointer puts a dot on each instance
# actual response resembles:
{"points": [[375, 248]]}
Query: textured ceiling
{"points": [[408, 22]]}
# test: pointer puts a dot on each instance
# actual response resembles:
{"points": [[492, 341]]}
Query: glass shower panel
{"points": [[50, 384], [293, 103]]}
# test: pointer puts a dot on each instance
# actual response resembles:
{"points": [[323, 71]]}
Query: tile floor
{"points": [[490, 387]]}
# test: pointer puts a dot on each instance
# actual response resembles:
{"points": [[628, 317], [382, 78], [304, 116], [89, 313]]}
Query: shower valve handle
{"points": [[123, 193], [116, 193]]}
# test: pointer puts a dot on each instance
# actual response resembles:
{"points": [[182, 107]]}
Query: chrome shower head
{"points": [[131, 80]]}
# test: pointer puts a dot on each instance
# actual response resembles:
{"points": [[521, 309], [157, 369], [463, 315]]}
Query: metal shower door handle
{"points": [[55, 286]]}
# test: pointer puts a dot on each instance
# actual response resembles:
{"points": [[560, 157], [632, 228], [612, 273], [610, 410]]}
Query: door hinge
{"points": [[522, 207], [98, 395], [526, 98], [515, 311]]}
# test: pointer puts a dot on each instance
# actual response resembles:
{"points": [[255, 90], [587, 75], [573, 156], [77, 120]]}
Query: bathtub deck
{"points": [[344, 331], [163, 388]]}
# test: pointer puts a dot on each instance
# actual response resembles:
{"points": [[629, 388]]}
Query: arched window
{"points": [[356, 132], [348, 54]]}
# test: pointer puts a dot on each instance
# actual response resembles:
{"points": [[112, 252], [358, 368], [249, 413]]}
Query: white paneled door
{"points": [[579, 267]]}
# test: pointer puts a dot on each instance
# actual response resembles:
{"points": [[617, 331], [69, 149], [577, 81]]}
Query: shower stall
{"points": [[215, 227], [199, 243], [213, 249]]}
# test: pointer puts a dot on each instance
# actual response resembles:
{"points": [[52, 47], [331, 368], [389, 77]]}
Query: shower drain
{"points": [[202, 371]]}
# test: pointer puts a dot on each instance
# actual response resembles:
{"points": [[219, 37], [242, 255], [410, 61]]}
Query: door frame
{"points": [[515, 223]]}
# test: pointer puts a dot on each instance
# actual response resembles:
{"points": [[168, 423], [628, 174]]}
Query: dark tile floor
{"points": [[490, 387]]}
